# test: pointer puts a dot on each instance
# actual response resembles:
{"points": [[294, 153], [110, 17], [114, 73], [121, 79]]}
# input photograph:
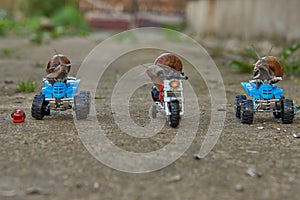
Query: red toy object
{"points": [[18, 116]]}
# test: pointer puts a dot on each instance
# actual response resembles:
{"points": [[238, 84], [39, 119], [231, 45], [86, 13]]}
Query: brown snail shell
{"points": [[170, 60], [55, 61]]}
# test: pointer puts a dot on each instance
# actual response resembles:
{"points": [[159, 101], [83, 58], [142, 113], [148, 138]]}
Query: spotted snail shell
{"points": [[267, 67], [170, 60]]}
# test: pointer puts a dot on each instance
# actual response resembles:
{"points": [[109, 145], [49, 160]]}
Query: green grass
{"points": [[27, 86], [66, 20], [288, 57], [6, 53], [6, 23]]}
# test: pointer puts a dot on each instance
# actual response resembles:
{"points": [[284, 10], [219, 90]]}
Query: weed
{"points": [[6, 53], [26, 86]]}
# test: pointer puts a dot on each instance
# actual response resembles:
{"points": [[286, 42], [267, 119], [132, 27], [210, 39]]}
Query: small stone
{"points": [[96, 185], [260, 128], [174, 178], [278, 129], [253, 172], [296, 135], [250, 151], [239, 188], [197, 156], [68, 183], [8, 193]]}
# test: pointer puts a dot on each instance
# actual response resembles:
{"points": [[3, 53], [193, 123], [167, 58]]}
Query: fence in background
{"points": [[245, 19]]}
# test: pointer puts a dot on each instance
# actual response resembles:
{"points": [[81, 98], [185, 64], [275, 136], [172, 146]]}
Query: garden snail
{"points": [[165, 62], [267, 67], [58, 68]]}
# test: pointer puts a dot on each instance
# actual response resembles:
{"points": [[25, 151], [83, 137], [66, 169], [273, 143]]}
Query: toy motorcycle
{"points": [[169, 99], [60, 96], [266, 97]]}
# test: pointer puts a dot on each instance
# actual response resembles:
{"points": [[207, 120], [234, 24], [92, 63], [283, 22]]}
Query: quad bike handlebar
{"points": [[273, 80]]}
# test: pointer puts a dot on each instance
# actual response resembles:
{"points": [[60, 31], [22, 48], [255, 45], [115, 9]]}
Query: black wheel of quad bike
{"points": [[153, 111], [82, 105], [277, 113], [238, 105], [175, 114], [38, 108], [247, 112], [287, 111]]}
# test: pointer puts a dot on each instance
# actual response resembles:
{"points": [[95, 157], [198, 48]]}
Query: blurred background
{"points": [[39, 20], [226, 28], [272, 19]]}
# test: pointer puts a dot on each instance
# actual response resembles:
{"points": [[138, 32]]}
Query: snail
{"points": [[58, 68], [267, 67], [167, 66], [165, 63]]}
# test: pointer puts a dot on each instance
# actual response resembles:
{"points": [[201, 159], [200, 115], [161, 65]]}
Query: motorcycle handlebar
{"points": [[173, 75]]}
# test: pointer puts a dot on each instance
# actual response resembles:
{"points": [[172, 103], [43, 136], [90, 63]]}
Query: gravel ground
{"points": [[45, 159]]}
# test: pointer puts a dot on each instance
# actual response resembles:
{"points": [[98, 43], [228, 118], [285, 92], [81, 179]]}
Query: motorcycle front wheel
{"points": [[175, 114]]}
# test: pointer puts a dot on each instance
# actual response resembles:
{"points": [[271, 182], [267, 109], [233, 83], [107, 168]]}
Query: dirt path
{"points": [[47, 160]]}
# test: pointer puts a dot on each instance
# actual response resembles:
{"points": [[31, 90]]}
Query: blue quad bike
{"points": [[61, 96], [265, 97]]}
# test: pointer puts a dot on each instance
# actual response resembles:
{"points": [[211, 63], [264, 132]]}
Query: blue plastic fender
{"points": [[61, 89]]}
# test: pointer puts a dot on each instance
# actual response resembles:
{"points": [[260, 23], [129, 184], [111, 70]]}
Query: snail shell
{"points": [[267, 67], [58, 67], [170, 60], [54, 62]]}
